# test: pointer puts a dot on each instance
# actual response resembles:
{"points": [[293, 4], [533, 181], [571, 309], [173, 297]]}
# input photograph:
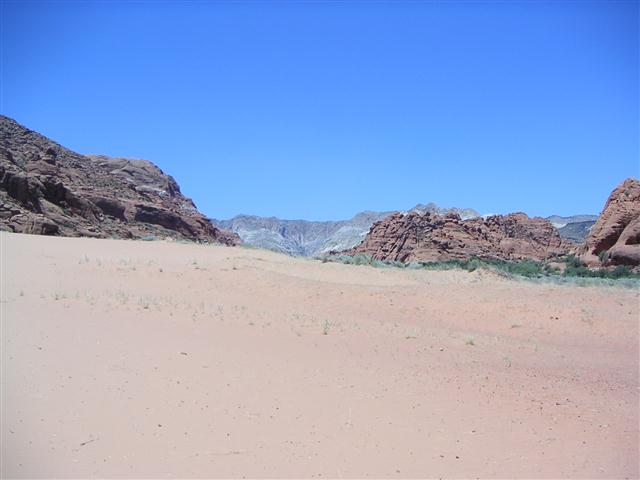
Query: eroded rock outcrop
{"points": [[615, 237], [49, 190], [416, 237]]}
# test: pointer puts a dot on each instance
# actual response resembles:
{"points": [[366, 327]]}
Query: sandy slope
{"points": [[138, 359]]}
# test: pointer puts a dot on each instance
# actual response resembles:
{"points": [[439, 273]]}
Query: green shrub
{"points": [[622, 271], [474, 264], [618, 272], [381, 264], [573, 261], [361, 259], [526, 268]]}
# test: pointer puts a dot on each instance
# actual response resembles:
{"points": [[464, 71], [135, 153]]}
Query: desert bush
{"points": [[361, 259], [573, 262], [474, 264], [379, 264], [620, 271], [525, 268]]}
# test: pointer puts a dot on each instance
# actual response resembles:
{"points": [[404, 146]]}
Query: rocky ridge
{"points": [[313, 238], [48, 189], [615, 237], [316, 238], [416, 237]]}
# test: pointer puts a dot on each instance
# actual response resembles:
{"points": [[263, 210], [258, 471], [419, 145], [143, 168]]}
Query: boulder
{"points": [[615, 237]]}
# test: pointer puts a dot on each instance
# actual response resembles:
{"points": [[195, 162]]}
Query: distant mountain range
{"points": [[312, 238], [559, 221], [301, 237], [574, 228]]}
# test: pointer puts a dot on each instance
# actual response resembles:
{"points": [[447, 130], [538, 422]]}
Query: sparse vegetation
{"points": [[575, 268], [362, 259], [524, 268]]}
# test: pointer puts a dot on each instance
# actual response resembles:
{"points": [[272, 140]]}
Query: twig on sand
{"points": [[231, 452], [88, 441]]}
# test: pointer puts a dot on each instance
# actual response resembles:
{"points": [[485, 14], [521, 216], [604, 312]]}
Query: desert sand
{"points": [[160, 359]]}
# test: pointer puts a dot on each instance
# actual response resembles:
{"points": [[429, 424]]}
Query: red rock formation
{"points": [[415, 237], [615, 237], [50, 190]]}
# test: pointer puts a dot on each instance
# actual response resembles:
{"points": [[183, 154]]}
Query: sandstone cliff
{"points": [[615, 237], [48, 189]]}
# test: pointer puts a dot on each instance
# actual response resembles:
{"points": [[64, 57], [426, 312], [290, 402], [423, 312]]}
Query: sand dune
{"points": [[157, 359]]}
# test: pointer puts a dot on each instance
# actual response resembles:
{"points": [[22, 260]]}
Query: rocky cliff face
{"points": [[416, 237], [50, 190], [615, 237]]}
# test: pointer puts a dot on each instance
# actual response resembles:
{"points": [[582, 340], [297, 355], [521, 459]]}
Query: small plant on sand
{"points": [[325, 328], [470, 341], [144, 303], [122, 296]]}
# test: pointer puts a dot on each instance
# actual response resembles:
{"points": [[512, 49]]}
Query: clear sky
{"points": [[318, 110]]}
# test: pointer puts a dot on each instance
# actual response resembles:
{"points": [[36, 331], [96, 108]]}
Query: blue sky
{"points": [[318, 110]]}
